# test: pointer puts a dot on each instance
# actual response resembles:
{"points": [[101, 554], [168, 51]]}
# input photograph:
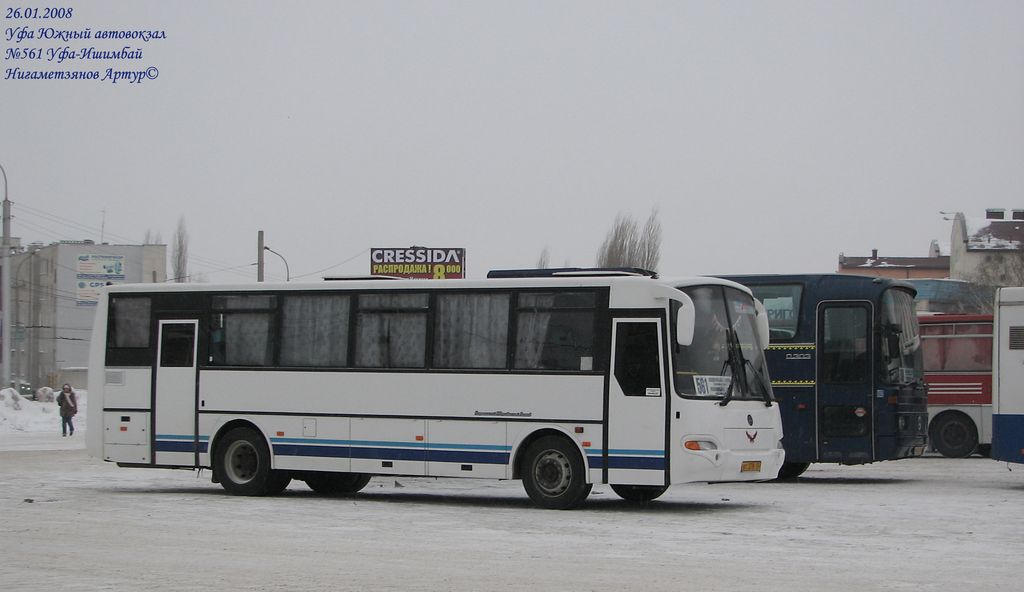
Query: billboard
{"points": [[419, 263], [94, 272]]}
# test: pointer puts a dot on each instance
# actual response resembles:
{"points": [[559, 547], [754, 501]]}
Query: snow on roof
{"points": [[994, 235]]}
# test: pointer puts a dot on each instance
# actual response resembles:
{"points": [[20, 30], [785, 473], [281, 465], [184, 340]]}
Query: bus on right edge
{"points": [[846, 366], [1008, 376]]}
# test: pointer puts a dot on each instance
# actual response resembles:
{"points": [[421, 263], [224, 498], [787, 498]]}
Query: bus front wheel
{"points": [[639, 493], [242, 464], [554, 475], [954, 435]]}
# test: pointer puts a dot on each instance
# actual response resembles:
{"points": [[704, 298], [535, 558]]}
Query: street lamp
{"points": [[287, 273], [5, 287]]}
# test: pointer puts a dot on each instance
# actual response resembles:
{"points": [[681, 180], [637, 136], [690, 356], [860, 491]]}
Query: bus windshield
{"points": [[901, 339], [726, 359]]}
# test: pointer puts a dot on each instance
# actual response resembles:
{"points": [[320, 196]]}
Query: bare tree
{"points": [[628, 245], [179, 253], [997, 270], [544, 261], [152, 239]]}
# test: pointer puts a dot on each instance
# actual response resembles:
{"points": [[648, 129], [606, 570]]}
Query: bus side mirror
{"points": [[763, 330], [685, 320]]}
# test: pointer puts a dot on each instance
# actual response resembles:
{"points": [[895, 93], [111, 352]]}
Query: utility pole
{"points": [[5, 288], [259, 257]]}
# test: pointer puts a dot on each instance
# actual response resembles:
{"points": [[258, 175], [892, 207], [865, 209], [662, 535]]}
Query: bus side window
{"points": [[637, 364]]}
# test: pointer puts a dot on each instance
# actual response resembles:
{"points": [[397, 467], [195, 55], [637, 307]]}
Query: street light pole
{"points": [[287, 272], [5, 285]]}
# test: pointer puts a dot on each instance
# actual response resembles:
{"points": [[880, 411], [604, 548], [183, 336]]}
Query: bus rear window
{"points": [[129, 322]]}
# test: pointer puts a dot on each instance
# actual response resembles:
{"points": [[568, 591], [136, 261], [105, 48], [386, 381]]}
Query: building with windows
{"points": [[54, 291], [988, 250], [934, 266]]}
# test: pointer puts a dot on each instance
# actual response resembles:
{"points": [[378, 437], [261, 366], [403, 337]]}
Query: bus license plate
{"points": [[750, 466]]}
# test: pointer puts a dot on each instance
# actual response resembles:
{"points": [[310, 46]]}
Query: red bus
{"points": [[958, 369]]}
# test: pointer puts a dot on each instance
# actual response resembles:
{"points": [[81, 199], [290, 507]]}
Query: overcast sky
{"points": [[771, 136]]}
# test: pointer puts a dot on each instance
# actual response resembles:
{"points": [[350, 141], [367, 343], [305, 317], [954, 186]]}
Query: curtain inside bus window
{"points": [[555, 331], [391, 330], [957, 354], [471, 331], [314, 330], [242, 330], [844, 355]]}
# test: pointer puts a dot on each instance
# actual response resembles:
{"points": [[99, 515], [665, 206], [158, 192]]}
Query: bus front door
{"points": [[174, 399], [635, 451], [845, 403]]}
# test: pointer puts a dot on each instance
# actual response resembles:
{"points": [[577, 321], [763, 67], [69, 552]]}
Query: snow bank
{"points": [[18, 414]]}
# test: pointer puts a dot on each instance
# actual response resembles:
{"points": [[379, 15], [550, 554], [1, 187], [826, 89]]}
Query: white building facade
{"points": [[54, 290]]}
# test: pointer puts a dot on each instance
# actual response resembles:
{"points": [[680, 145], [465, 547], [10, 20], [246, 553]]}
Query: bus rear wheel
{"points": [[792, 470], [554, 475], [242, 465], [639, 493], [333, 483], [954, 435]]}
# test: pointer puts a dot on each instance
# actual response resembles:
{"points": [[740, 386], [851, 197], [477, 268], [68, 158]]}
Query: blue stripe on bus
{"points": [[180, 443], [372, 443], [377, 453], [418, 451]]}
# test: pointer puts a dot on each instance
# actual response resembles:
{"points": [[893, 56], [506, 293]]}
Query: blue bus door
{"points": [[844, 395]]}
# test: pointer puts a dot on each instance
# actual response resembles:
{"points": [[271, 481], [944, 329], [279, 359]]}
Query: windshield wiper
{"points": [[735, 362], [768, 398]]}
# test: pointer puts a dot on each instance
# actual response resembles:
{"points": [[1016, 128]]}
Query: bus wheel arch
{"points": [[524, 445], [554, 473], [953, 434], [242, 461]]}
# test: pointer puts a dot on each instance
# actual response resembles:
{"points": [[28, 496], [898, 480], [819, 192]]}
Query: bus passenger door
{"points": [[845, 402], [637, 403], [174, 398]]}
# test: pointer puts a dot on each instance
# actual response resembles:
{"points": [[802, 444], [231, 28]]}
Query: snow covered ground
{"points": [[68, 522]]}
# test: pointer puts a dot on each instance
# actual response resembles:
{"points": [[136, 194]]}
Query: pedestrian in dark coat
{"points": [[68, 402]]}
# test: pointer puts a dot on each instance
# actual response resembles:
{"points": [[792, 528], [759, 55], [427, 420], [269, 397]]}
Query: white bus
{"points": [[1008, 376], [562, 382]]}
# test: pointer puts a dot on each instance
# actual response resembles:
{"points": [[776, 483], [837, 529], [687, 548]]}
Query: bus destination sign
{"points": [[419, 263]]}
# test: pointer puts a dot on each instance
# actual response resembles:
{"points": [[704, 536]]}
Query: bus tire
{"points": [[792, 470], [334, 483], [639, 493], [242, 464], [954, 435], [278, 482], [553, 474]]}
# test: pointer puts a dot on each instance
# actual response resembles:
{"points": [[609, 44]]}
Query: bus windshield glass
{"points": [[726, 359], [901, 339]]}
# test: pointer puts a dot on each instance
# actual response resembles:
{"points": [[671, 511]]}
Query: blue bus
{"points": [[846, 367]]}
